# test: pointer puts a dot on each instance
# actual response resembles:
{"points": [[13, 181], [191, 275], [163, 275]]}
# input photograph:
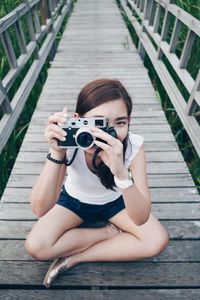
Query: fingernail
{"points": [[63, 139]]}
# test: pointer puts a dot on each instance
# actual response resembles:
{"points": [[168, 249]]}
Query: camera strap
{"points": [[95, 157], [68, 163]]}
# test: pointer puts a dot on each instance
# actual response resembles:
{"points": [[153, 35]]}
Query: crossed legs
{"points": [[56, 235]]}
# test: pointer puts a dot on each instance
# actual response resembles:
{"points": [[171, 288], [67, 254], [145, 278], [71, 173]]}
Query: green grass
{"points": [[185, 145], [10, 152], [8, 5]]}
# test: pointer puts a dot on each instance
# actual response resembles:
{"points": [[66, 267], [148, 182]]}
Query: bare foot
{"points": [[112, 230]]}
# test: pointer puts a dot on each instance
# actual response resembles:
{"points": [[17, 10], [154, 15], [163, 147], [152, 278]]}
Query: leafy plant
{"points": [[182, 138]]}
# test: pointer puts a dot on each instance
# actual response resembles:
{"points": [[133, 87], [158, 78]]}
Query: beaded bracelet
{"points": [[55, 161]]}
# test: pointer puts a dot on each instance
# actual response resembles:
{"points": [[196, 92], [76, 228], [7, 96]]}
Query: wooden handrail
{"points": [[146, 26], [43, 21]]}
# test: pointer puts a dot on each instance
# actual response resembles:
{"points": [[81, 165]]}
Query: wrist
{"points": [[125, 183], [122, 174], [58, 155]]}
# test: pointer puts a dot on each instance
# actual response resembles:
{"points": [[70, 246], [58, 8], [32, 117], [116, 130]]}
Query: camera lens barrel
{"points": [[84, 138]]}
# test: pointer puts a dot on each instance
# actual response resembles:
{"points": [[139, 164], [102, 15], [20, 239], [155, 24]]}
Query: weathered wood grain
{"points": [[160, 195], [107, 275], [14, 249], [149, 146], [180, 230], [151, 157], [152, 167], [96, 44], [162, 181], [169, 211], [96, 294]]}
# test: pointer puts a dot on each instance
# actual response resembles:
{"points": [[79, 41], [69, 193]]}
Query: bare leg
{"points": [[54, 235], [79, 239], [135, 243], [140, 242]]}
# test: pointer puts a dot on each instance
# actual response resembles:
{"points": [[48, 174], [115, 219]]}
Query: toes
{"points": [[114, 230]]}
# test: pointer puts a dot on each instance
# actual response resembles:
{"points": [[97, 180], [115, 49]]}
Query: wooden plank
{"points": [[149, 146], [139, 114], [161, 195], [175, 199], [132, 275], [162, 181], [96, 294], [163, 211], [152, 167], [12, 249], [155, 137], [180, 230], [151, 157], [139, 128]]}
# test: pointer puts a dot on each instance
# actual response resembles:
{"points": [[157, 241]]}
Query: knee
{"points": [[157, 244], [36, 249]]}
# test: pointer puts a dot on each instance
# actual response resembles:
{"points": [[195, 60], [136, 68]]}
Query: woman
{"points": [[114, 190]]}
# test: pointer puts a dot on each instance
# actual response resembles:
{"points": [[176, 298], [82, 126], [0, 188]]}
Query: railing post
{"points": [[51, 29], [165, 27], [8, 47], [157, 18], [192, 103], [20, 37], [4, 101], [141, 49], [31, 28], [187, 49], [175, 35]]}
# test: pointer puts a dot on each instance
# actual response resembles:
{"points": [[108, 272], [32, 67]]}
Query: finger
{"points": [[54, 135], [103, 146], [65, 110], [104, 136], [57, 118], [57, 129]]}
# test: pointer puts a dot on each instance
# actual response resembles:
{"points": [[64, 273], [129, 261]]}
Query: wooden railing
{"points": [[36, 40], [145, 17]]}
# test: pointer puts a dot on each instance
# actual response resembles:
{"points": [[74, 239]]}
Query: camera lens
{"points": [[84, 139]]}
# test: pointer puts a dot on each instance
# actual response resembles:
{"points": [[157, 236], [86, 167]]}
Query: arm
{"points": [[46, 190], [137, 197]]}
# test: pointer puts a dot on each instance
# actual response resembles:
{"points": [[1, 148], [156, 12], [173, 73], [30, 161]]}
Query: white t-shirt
{"points": [[85, 186]]}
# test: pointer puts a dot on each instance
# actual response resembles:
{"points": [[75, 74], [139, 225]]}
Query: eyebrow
{"points": [[117, 119]]}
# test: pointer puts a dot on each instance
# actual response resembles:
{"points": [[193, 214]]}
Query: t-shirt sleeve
{"points": [[134, 143]]}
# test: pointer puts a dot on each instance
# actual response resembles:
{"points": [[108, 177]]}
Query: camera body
{"points": [[79, 134]]}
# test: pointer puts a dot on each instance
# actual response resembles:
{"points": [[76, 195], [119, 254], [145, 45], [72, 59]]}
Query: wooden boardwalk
{"points": [[96, 44]]}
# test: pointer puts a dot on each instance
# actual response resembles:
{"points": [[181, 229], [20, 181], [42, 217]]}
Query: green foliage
{"points": [[182, 138], [8, 5], [9, 154], [191, 6]]}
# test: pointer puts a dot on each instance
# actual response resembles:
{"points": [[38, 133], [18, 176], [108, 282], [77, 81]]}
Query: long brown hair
{"points": [[93, 94]]}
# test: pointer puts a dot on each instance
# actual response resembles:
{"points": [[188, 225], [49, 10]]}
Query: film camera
{"points": [[79, 134]]}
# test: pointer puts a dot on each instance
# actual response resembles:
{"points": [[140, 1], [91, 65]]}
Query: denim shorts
{"points": [[91, 212]]}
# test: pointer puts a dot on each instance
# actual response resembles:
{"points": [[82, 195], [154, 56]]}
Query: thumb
{"points": [[65, 109]]}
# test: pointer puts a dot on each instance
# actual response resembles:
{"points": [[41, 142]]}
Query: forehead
{"points": [[110, 109]]}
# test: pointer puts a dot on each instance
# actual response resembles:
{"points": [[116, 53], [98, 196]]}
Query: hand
{"points": [[112, 154], [54, 132]]}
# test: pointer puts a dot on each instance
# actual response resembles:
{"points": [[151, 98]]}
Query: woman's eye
{"points": [[121, 123]]}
